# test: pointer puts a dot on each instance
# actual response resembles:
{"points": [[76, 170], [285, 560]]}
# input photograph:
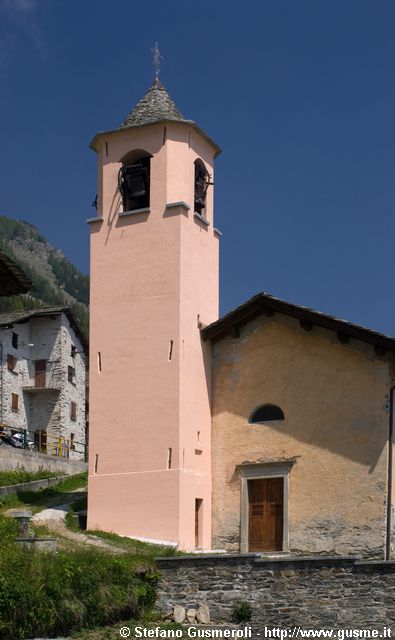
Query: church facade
{"points": [[302, 410], [266, 431]]}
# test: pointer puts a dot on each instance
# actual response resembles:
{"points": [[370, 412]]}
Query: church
{"points": [[269, 430]]}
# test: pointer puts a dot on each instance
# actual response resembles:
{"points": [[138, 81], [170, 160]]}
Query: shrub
{"points": [[242, 612]]}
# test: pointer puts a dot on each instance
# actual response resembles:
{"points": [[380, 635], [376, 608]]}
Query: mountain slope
{"points": [[56, 280]]}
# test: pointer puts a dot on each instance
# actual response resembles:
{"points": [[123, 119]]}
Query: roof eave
{"points": [[262, 302], [21, 283], [190, 123], [42, 312]]}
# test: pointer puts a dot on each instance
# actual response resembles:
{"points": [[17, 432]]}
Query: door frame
{"points": [[40, 372], [262, 471]]}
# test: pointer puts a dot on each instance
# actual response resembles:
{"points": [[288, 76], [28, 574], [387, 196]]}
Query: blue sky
{"points": [[299, 94]]}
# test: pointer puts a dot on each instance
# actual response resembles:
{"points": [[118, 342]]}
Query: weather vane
{"points": [[156, 58]]}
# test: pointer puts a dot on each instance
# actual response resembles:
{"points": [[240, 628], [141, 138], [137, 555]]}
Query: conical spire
{"points": [[155, 106]]}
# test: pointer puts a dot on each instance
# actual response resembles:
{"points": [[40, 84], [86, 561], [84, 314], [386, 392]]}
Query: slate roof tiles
{"points": [[155, 106]]}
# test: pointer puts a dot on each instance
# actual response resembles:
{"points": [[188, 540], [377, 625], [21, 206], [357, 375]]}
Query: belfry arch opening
{"points": [[134, 180], [202, 182]]}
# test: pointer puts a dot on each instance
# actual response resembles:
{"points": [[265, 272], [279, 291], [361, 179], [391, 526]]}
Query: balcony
{"points": [[34, 389], [47, 378]]}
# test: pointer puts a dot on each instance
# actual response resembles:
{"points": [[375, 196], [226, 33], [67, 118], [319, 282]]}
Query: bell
{"points": [[137, 187]]}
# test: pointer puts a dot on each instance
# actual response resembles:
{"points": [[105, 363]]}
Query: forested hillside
{"points": [[55, 279]]}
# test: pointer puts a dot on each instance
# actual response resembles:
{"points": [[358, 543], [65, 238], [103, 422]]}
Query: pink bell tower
{"points": [[154, 285]]}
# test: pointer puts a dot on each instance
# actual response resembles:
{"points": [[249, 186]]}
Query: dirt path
{"points": [[58, 526], [53, 518]]}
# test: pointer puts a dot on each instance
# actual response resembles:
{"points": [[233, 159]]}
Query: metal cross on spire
{"points": [[156, 58]]}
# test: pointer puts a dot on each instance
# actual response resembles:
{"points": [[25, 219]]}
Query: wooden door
{"points": [[40, 440], [265, 521], [40, 370]]}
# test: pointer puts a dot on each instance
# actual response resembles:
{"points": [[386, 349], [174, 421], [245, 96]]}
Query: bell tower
{"points": [[154, 285]]}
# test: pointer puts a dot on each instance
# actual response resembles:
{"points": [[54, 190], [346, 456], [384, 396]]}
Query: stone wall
{"points": [[12, 381], [72, 391], [332, 593]]}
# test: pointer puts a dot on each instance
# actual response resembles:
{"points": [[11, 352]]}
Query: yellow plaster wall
{"points": [[335, 399]]}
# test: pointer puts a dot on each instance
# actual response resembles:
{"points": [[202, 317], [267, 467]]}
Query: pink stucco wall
{"points": [[152, 275]]}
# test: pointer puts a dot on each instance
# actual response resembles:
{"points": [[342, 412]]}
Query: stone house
{"points": [[42, 383], [269, 430]]}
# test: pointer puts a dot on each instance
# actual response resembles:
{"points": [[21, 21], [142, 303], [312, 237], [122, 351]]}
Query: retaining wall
{"points": [[34, 485], [11, 458], [330, 593]]}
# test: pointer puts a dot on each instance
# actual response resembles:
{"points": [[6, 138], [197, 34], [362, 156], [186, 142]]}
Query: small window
{"points": [[70, 373], [14, 402], [198, 521], [11, 362], [73, 351], [266, 413], [72, 444], [73, 411], [14, 340]]}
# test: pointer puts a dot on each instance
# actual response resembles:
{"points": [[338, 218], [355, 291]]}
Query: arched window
{"points": [[134, 180], [202, 181], [266, 413]]}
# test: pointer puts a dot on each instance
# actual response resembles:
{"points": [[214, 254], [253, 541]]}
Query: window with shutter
{"points": [[14, 401], [11, 362]]}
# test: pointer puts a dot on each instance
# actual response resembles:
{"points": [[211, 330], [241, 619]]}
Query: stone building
{"points": [[42, 383], [268, 430]]}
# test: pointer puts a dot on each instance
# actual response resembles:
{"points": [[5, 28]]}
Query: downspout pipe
{"points": [[389, 476], [1, 383]]}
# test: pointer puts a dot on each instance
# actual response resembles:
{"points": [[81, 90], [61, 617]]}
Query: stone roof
{"points": [[155, 106], [12, 279], [264, 304], [15, 317]]}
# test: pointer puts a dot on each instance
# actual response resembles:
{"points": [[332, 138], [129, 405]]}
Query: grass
{"points": [[144, 553], [112, 632], [49, 594], [20, 475], [140, 549], [51, 496], [80, 590]]}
